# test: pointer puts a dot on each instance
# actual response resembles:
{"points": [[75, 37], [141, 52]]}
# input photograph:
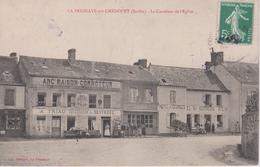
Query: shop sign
{"points": [[204, 108], [169, 106], [76, 83], [73, 111]]}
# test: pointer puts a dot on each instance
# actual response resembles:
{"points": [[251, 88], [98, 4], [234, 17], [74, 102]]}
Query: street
{"points": [[197, 150]]}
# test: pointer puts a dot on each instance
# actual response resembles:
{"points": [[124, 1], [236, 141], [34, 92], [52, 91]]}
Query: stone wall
{"points": [[249, 138]]}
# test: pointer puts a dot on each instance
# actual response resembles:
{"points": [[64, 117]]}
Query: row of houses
{"points": [[46, 96]]}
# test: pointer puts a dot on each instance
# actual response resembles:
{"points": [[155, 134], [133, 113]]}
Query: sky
{"points": [[49, 28]]}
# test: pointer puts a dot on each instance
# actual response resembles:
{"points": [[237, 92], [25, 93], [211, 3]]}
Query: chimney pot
{"points": [[14, 56], [71, 55], [142, 63], [217, 58]]}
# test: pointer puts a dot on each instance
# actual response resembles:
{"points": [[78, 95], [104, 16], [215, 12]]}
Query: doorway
{"points": [[70, 122], [207, 123], [188, 121], [56, 126], [106, 126]]}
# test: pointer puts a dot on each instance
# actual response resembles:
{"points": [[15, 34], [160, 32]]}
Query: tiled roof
{"points": [[191, 78], [243, 72], [9, 73], [50, 67]]}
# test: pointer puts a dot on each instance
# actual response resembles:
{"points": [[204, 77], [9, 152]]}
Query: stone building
{"points": [[242, 79], [65, 93], [140, 98], [12, 104], [193, 96]]}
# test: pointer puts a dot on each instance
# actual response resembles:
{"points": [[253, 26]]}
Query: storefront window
{"points": [[41, 99], [148, 95], [92, 101], [9, 97], [71, 101], [13, 122], [139, 120], [219, 120], [41, 121], [107, 101], [91, 123]]}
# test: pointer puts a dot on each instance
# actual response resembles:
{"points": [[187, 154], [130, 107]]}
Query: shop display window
{"points": [[92, 123], [13, 122], [219, 120], [41, 121]]}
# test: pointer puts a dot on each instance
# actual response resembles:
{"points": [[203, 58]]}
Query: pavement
{"points": [[149, 150]]}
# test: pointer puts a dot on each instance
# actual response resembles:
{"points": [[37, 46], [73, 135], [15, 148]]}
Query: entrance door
{"points": [[106, 125], [56, 126], [207, 123], [188, 121], [70, 122]]}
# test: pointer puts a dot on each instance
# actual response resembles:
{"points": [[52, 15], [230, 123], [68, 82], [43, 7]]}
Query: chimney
{"points": [[142, 63], [13, 55], [208, 64], [217, 57], [71, 56]]}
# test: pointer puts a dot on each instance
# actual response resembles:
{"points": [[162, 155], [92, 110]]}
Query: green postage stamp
{"points": [[236, 22]]}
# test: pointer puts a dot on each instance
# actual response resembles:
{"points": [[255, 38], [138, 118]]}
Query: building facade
{"points": [[140, 100], [12, 98], [242, 79], [66, 93], [193, 96]]}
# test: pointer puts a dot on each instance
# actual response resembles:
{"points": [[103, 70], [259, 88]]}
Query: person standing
{"points": [[213, 128]]}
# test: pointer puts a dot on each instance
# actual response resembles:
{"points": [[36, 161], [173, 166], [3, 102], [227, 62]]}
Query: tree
{"points": [[252, 103]]}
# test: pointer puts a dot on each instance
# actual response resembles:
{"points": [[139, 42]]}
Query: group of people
{"points": [[208, 127], [134, 130]]}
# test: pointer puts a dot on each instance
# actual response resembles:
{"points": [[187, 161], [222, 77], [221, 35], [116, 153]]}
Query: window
{"points": [[41, 99], [107, 101], [13, 122], [71, 101], [219, 100], [92, 101], [207, 100], [173, 97], [219, 120], [133, 94], [148, 95], [172, 118], [139, 120], [9, 97], [56, 100], [41, 121], [91, 123]]}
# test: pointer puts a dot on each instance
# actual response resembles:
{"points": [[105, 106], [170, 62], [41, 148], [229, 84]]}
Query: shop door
{"points": [[106, 125], [56, 126], [70, 122], [188, 121]]}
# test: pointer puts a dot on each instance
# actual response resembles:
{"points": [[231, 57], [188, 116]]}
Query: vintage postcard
{"points": [[129, 82]]}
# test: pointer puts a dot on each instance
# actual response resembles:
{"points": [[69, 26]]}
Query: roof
{"points": [[243, 72], [50, 67], [191, 78], [9, 74]]}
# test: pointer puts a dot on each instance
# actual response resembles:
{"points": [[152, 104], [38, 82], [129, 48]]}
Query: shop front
{"points": [[53, 121], [12, 122], [144, 120]]}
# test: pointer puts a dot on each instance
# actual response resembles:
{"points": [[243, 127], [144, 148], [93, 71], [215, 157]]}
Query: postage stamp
{"points": [[236, 22]]}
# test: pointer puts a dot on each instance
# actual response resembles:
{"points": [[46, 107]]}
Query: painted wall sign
{"points": [[236, 22], [190, 108], [75, 83], [73, 111]]}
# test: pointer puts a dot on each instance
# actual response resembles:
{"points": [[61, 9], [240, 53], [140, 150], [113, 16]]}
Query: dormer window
{"points": [[7, 76], [163, 80]]}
